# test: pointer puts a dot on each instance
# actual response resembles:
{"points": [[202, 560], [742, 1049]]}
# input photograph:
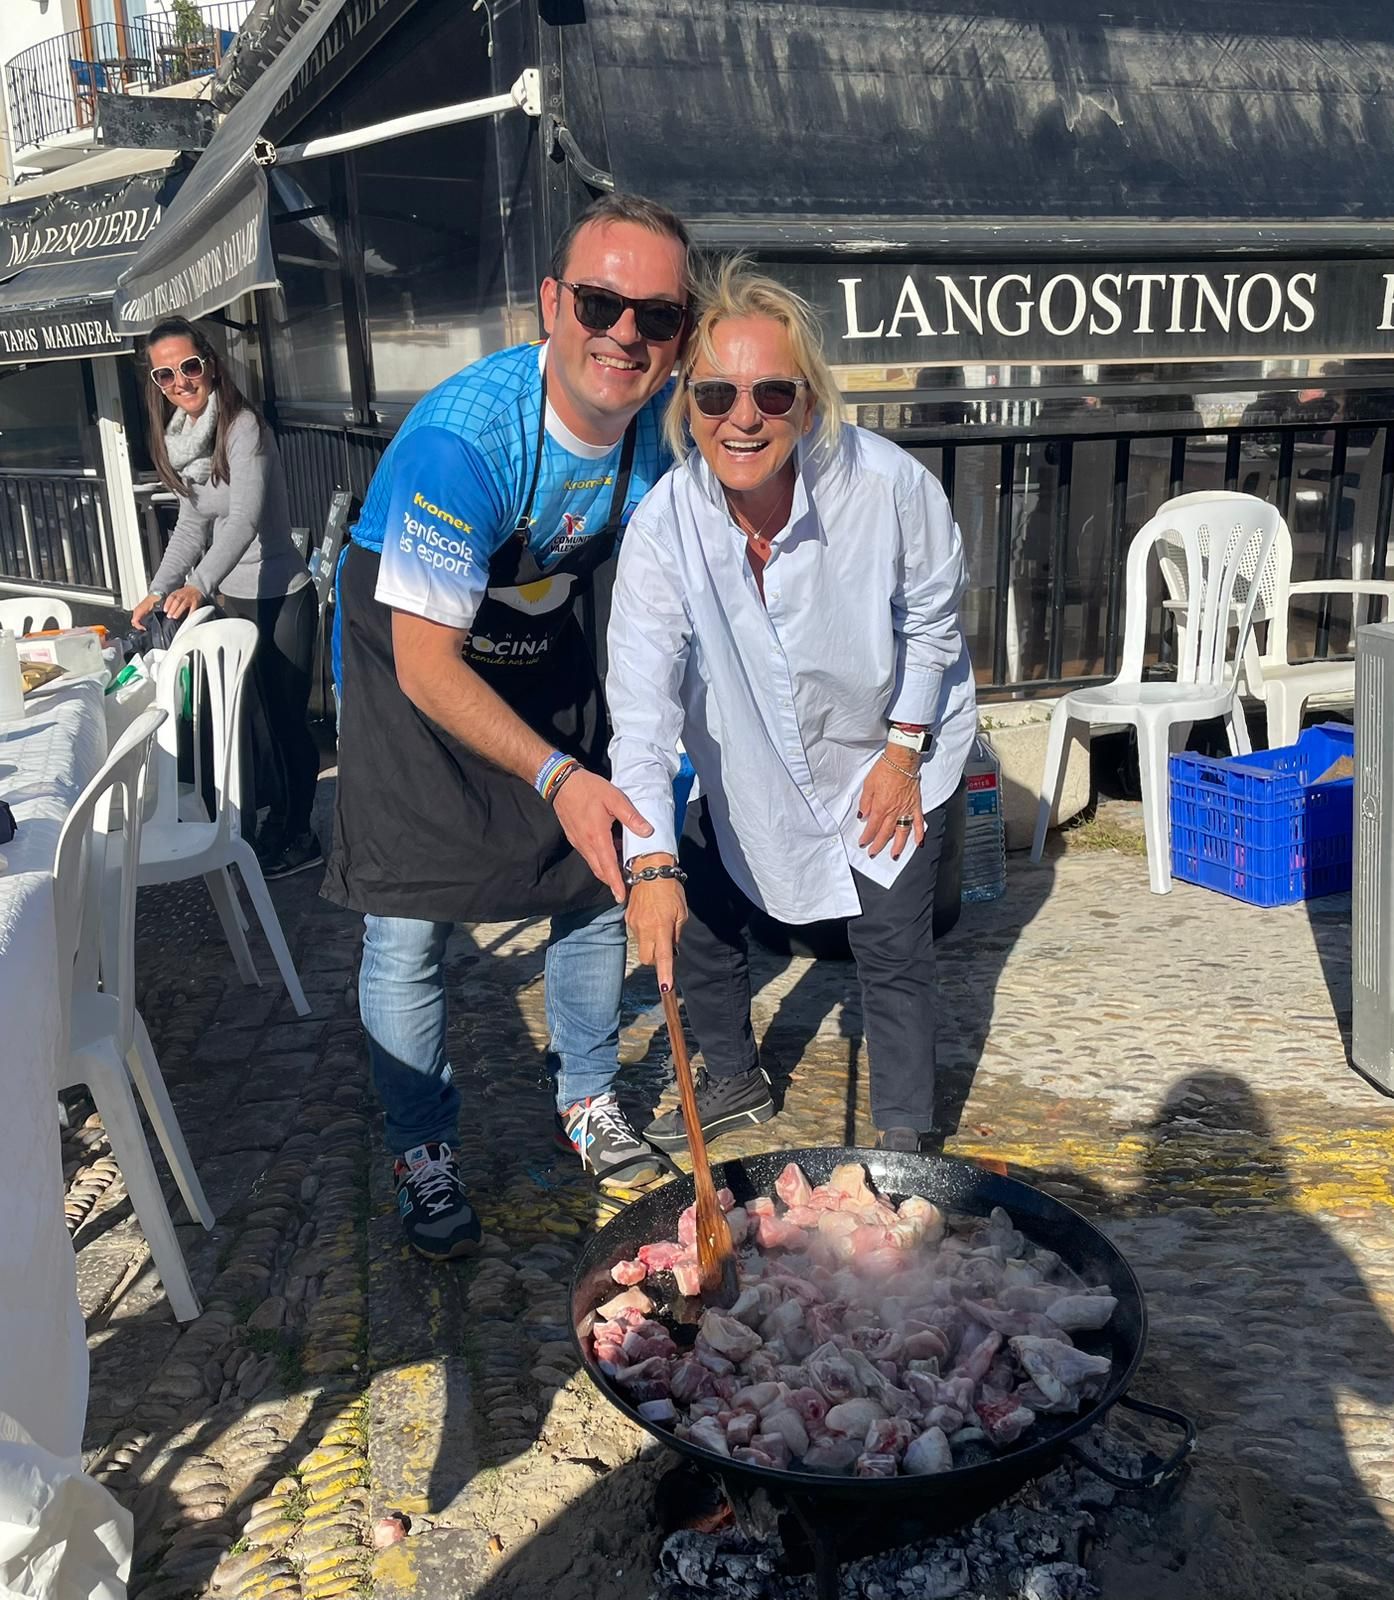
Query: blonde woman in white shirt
{"points": [[787, 606]]}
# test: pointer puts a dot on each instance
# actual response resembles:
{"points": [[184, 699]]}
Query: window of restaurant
{"points": [[47, 415], [398, 260], [307, 319]]}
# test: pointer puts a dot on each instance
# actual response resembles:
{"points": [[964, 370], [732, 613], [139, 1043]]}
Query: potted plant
{"points": [[190, 25]]}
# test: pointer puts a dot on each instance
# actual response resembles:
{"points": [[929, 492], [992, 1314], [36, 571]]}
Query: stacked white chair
{"points": [[179, 841], [108, 1045], [34, 613], [1218, 538], [1285, 687]]}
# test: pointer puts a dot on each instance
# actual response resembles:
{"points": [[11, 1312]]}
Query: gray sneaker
{"points": [[437, 1218], [610, 1150]]}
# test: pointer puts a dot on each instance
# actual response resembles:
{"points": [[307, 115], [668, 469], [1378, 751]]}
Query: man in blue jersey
{"points": [[472, 775]]}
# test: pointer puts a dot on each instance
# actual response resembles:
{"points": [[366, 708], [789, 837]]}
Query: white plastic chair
{"points": [[107, 1044], [178, 843], [34, 613], [1282, 686], [1219, 537]]}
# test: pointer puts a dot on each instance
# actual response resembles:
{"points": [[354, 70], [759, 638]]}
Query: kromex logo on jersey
{"points": [[423, 504]]}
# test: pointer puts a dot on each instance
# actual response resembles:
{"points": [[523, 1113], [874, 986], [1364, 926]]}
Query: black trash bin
{"points": [[827, 941]]}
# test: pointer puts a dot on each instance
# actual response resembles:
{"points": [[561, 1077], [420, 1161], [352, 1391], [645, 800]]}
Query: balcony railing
{"points": [[53, 86]]}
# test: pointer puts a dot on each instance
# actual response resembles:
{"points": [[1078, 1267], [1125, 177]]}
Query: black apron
{"points": [[425, 828]]}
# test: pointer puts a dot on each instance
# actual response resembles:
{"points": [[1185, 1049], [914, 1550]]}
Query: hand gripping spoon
{"points": [[716, 1254]]}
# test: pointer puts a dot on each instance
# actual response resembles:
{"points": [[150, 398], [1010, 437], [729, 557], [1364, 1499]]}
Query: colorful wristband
{"points": [[554, 771]]}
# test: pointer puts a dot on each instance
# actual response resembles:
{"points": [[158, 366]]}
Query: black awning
{"points": [[863, 124], [214, 242], [61, 251], [61, 312]]}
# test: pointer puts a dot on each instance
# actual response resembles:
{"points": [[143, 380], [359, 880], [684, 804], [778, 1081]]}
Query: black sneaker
{"points": [[909, 1141], [723, 1105], [437, 1218], [268, 844], [904, 1140], [297, 855], [610, 1150]]}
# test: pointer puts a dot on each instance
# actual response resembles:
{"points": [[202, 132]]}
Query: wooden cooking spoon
{"points": [[716, 1253]]}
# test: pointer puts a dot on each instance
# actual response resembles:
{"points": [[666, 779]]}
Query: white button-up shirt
{"points": [[784, 706]]}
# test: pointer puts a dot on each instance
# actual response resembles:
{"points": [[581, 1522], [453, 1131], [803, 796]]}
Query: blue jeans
{"points": [[401, 1000]]}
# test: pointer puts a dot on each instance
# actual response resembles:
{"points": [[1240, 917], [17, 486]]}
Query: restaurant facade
{"points": [[1076, 263]]}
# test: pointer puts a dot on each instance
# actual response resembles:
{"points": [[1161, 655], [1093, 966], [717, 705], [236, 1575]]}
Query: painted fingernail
{"points": [[663, 988]]}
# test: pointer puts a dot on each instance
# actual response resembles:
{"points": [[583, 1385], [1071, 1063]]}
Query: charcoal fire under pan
{"points": [[834, 1516]]}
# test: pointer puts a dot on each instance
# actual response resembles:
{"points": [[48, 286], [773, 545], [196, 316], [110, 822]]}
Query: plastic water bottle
{"points": [[984, 835]]}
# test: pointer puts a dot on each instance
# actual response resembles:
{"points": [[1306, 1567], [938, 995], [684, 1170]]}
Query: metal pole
{"points": [[525, 95], [1059, 542], [1335, 502], [1006, 491]]}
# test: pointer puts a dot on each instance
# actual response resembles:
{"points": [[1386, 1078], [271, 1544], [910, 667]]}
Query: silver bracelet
{"points": [[896, 767]]}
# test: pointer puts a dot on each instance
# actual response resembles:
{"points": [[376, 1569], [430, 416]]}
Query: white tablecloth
{"points": [[45, 761]]}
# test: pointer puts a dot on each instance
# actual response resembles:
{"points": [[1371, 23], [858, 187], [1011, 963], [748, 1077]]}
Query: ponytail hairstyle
{"points": [[231, 402]]}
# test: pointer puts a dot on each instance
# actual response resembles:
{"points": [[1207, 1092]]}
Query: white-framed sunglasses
{"points": [[189, 367]]}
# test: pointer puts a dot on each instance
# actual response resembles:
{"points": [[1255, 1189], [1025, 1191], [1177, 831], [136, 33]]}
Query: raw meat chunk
{"points": [[688, 1274], [709, 1433], [854, 1417], [755, 1303], [631, 1297], [661, 1256], [832, 1454], [738, 1221], [792, 1187], [873, 1466], [629, 1272], [774, 1233], [928, 1220], [773, 1446], [1077, 1312], [754, 1458], [789, 1425], [741, 1428], [832, 1374], [1059, 1371], [727, 1336], [929, 1453], [810, 1404], [849, 1180], [660, 1411], [760, 1206], [889, 1437], [689, 1380], [1004, 1420]]}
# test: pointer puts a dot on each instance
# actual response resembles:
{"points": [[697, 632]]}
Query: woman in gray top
{"points": [[233, 541]]}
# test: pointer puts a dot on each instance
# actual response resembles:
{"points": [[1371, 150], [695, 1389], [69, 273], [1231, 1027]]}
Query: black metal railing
{"points": [[319, 460], [55, 530], [1047, 520], [53, 85]]}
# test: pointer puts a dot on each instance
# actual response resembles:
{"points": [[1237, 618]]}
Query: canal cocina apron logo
{"points": [[525, 608]]}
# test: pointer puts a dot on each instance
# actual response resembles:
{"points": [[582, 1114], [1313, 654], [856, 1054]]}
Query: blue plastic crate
{"points": [[1260, 827]]}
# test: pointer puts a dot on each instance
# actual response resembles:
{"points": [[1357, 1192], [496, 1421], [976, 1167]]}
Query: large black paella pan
{"points": [[957, 1187]]}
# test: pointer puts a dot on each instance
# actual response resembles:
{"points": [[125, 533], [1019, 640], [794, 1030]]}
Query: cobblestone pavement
{"points": [[1173, 1067]]}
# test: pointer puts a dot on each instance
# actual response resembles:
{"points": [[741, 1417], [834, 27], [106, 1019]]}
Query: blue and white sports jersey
{"points": [[454, 484]]}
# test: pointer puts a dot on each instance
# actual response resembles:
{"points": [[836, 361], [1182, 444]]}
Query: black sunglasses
{"points": [[189, 367], [773, 397], [600, 309]]}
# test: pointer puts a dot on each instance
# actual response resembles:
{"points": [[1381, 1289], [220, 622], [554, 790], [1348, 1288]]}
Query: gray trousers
{"points": [[892, 942]]}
